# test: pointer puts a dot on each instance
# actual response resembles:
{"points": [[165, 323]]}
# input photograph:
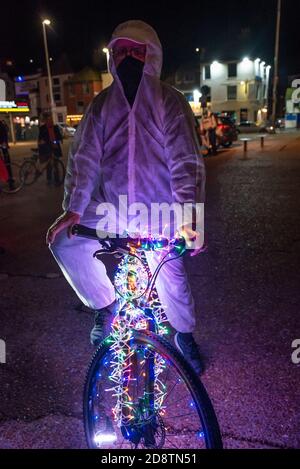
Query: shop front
{"points": [[16, 115]]}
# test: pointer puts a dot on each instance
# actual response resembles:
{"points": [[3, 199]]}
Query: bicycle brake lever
{"points": [[100, 252]]}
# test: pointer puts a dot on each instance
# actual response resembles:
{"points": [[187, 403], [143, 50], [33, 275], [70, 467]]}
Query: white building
{"points": [[238, 88]]}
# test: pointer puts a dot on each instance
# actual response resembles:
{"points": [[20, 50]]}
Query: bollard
{"points": [[262, 141], [245, 141]]}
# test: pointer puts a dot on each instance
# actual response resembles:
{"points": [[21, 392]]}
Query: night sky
{"points": [[226, 29]]}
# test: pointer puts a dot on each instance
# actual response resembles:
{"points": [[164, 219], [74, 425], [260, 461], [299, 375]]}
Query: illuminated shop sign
{"points": [[13, 106]]}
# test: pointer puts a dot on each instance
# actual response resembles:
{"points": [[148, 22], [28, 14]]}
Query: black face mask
{"points": [[130, 72]]}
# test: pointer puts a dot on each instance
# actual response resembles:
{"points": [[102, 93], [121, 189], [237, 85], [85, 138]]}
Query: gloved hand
{"points": [[194, 241], [66, 220]]}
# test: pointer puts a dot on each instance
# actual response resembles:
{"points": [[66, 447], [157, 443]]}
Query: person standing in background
{"points": [[49, 143]]}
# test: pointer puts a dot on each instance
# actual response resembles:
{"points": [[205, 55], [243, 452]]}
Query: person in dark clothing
{"points": [[4, 148], [49, 141], [3, 133]]}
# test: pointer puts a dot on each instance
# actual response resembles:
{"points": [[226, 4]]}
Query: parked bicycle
{"points": [[10, 181], [30, 170], [140, 392]]}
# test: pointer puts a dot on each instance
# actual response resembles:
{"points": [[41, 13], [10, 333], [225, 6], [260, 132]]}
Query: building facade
{"points": [[27, 88], [238, 88], [292, 102], [187, 80], [81, 89]]}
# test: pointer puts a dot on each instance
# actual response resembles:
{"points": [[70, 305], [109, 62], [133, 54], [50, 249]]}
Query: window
{"points": [[57, 97], [231, 92], [71, 89], [80, 107], [56, 81], [257, 94], [86, 87], [243, 115], [232, 70], [60, 117], [207, 72]]}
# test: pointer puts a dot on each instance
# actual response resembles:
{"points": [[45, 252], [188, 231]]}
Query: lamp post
{"points": [[199, 51], [45, 23]]}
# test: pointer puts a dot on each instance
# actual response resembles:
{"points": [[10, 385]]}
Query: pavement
{"points": [[246, 287]]}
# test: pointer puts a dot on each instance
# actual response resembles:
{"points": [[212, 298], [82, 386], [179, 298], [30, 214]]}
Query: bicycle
{"points": [[10, 181], [140, 392], [29, 171]]}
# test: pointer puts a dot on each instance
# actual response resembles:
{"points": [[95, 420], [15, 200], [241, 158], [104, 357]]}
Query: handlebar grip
{"points": [[91, 233]]}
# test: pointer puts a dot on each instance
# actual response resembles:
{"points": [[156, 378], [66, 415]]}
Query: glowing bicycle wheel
{"points": [[169, 408]]}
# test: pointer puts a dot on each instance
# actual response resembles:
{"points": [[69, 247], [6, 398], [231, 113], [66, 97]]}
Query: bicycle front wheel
{"points": [[175, 412], [28, 172], [59, 171]]}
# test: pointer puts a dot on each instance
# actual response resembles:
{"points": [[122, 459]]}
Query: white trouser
{"points": [[87, 276]]}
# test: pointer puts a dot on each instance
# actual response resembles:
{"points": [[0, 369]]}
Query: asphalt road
{"points": [[246, 288]]}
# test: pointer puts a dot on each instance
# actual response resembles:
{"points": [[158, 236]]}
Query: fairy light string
{"points": [[132, 280]]}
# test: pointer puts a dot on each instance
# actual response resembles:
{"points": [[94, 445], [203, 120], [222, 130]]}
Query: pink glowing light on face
{"points": [[123, 47]]}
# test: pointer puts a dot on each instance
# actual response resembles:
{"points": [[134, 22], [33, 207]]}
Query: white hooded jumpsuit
{"points": [[148, 152]]}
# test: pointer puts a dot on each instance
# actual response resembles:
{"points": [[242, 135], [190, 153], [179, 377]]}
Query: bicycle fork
{"points": [[144, 423]]}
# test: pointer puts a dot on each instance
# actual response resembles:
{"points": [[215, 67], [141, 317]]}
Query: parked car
{"points": [[247, 127], [66, 130], [226, 131], [251, 127]]}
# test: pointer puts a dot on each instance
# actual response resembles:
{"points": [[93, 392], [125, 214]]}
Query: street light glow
{"points": [[197, 49], [105, 50], [47, 22]]}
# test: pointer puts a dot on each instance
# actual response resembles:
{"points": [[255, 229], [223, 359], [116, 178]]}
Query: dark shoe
{"points": [[186, 345], [102, 327]]}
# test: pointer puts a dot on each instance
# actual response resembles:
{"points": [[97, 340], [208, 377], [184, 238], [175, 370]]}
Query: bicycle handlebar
{"points": [[140, 243]]}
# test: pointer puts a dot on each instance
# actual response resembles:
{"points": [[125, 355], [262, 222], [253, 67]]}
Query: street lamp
{"points": [[45, 23], [106, 51], [199, 51]]}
